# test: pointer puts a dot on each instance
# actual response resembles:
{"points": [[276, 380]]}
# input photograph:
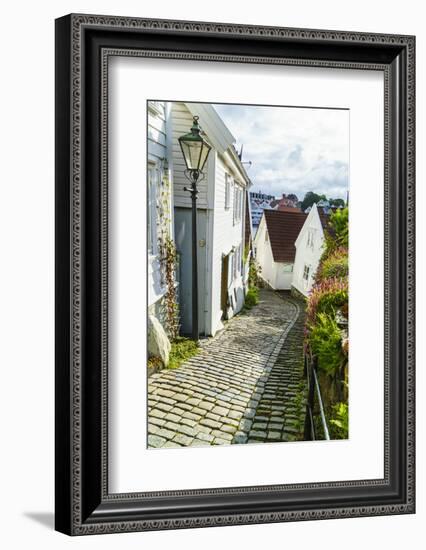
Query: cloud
{"points": [[292, 150]]}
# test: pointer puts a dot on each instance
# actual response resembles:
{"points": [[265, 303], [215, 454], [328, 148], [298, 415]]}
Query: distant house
{"points": [[261, 196], [257, 206], [286, 202], [274, 246], [324, 206], [258, 203], [309, 247], [221, 222]]}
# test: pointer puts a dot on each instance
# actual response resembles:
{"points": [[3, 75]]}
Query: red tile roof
{"points": [[283, 230], [288, 208]]}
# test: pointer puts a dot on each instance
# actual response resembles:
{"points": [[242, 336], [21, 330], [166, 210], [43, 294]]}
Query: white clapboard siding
{"points": [[226, 236], [156, 136], [157, 153], [308, 253], [181, 124], [157, 133]]}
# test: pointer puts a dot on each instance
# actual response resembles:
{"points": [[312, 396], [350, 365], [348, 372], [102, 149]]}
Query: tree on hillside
{"points": [[293, 197], [337, 202], [311, 198]]}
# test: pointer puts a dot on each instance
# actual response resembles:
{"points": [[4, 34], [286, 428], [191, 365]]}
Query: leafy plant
{"points": [[335, 265], [325, 340], [326, 297], [339, 423], [254, 274], [339, 222], [327, 310], [252, 297], [182, 349]]}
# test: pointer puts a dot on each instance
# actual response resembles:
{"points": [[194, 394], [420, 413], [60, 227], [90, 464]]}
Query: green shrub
{"points": [[326, 296], [339, 423], [182, 350], [329, 302], [339, 229], [252, 297], [335, 265], [325, 340]]}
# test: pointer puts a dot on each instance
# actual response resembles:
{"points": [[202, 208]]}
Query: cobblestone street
{"points": [[243, 387]]}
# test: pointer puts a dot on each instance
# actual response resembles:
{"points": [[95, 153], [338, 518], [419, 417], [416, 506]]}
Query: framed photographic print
{"points": [[234, 274]]}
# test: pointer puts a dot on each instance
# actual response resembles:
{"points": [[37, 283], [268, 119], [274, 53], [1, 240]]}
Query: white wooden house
{"points": [[288, 247], [159, 199], [221, 221], [309, 247], [274, 246]]}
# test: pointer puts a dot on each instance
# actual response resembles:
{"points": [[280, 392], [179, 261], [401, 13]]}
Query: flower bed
{"points": [[326, 329]]}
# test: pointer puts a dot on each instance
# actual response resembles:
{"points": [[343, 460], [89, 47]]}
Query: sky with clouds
{"points": [[292, 149]]}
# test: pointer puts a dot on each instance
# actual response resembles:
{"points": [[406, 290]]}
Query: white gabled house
{"points": [[309, 248], [221, 221], [221, 216], [274, 246], [288, 247]]}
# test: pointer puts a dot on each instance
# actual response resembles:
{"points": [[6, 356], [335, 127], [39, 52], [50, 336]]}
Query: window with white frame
{"points": [[238, 203], [288, 268], [228, 183], [153, 176]]}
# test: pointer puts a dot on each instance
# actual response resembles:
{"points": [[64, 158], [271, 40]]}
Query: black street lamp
{"points": [[195, 150]]}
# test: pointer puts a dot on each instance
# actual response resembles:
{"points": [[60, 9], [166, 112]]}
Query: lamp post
{"points": [[195, 150]]}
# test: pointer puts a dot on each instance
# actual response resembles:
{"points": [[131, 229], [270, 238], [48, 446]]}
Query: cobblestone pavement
{"points": [[241, 388], [280, 413]]}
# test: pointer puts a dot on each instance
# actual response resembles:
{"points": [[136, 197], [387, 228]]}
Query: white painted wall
{"points": [[222, 234], [157, 148], [226, 236], [181, 124], [263, 253], [308, 251], [158, 154], [278, 275], [283, 275]]}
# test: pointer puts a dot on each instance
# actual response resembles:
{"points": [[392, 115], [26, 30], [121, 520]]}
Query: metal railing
{"points": [[314, 405]]}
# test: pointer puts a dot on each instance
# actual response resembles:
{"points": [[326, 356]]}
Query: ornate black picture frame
{"points": [[83, 45]]}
